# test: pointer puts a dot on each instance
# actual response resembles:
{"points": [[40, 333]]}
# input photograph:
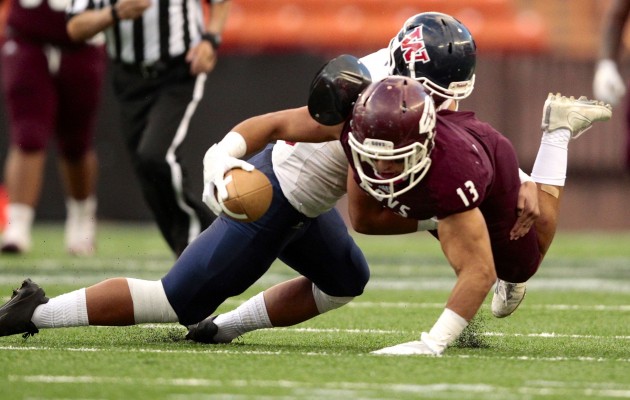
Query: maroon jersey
{"points": [[51, 86], [473, 166], [40, 21]]}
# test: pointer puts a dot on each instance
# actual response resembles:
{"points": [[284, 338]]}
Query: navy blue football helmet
{"points": [[438, 51]]}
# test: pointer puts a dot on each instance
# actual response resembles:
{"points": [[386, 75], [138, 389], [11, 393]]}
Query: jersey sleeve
{"points": [[460, 181]]}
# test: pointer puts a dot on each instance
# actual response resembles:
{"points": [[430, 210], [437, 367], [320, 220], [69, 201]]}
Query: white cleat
{"points": [[507, 297], [15, 241], [16, 238], [576, 115], [414, 348]]}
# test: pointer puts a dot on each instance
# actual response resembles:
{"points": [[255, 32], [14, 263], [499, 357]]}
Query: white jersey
{"points": [[312, 176]]}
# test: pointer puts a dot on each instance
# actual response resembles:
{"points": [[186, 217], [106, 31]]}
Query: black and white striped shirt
{"points": [[167, 29]]}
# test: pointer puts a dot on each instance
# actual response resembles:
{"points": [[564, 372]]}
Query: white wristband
{"points": [[524, 177], [447, 328], [234, 144]]}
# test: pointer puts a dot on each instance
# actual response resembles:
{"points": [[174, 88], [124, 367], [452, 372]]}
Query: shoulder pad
{"points": [[335, 89]]}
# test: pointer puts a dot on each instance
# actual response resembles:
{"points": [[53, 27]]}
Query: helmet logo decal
{"points": [[413, 48]]}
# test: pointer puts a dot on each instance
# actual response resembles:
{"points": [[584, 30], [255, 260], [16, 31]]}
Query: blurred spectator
{"points": [[161, 55], [608, 85], [52, 88]]}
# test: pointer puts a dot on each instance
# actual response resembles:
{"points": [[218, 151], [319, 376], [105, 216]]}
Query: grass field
{"points": [[570, 339]]}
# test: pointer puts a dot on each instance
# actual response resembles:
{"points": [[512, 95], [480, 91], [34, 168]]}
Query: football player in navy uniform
{"points": [[407, 159], [438, 51]]}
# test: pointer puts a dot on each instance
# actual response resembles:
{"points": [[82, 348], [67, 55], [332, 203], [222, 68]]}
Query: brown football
{"points": [[249, 195]]}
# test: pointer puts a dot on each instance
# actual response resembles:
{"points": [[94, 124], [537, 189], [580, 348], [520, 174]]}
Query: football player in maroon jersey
{"points": [[52, 88]]}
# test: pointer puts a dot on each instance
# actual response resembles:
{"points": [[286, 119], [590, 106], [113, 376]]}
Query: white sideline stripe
{"points": [[347, 389], [214, 350]]}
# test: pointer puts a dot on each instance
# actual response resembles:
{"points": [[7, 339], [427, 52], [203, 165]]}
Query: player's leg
{"points": [[79, 178], [107, 303], [222, 262], [328, 256], [79, 84], [515, 261], [23, 179], [563, 119], [31, 123], [285, 304], [335, 271]]}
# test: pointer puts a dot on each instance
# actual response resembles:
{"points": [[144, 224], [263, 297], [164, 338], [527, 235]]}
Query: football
{"points": [[249, 195]]}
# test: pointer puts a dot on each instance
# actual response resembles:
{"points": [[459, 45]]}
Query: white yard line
{"points": [[552, 307], [344, 390], [222, 349]]}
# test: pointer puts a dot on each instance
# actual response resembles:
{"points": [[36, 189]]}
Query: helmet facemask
{"points": [[412, 150]]}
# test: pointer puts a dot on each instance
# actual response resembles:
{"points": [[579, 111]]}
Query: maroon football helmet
{"points": [[393, 120]]}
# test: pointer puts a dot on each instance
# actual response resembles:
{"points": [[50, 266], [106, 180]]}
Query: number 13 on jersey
{"points": [[468, 192]]}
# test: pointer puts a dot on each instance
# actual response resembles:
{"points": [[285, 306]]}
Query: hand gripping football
{"points": [[249, 195]]}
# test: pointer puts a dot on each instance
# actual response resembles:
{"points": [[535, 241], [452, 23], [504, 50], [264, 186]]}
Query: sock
{"points": [[69, 309], [247, 317], [550, 166], [447, 328], [85, 208]]}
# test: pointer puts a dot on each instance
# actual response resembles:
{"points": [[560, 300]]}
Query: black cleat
{"points": [[203, 332], [16, 314]]}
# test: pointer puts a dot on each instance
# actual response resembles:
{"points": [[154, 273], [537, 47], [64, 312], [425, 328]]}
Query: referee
{"points": [[161, 52]]}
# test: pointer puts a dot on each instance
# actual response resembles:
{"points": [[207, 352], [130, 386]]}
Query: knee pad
{"points": [[326, 303], [149, 302]]}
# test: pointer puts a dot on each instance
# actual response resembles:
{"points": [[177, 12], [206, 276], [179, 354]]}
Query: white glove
{"points": [[216, 163], [608, 86]]}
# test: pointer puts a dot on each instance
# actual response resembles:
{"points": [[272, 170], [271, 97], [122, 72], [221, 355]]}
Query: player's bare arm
{"points": [[369, 217], [250, 136], [466, 245], [292, 125]]}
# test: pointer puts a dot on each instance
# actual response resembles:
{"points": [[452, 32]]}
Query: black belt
{"points": [[154, 70]]}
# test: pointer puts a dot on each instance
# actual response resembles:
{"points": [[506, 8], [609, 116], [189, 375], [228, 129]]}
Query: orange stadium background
{"points": [[526, 48]]}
